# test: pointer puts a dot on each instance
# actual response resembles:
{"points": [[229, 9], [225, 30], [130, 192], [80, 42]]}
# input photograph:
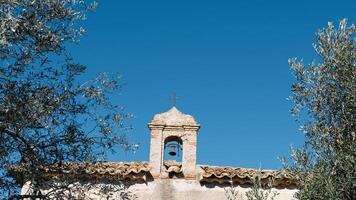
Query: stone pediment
{"points": [[174, 117]]}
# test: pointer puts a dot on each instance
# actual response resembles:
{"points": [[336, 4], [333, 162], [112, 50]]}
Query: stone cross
{"points": [[175, 98]]}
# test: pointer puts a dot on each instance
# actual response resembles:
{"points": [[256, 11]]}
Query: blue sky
{"points": [[226, 60]]}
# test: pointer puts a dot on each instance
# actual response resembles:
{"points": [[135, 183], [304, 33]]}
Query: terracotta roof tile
{"points": [[111, 170], [243, 176], [141, 171], [173, 166]]}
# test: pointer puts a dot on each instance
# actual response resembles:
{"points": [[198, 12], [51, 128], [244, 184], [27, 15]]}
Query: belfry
{"points": [[182, 129]]}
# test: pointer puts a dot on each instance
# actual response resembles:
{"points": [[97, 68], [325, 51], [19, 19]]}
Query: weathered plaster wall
{"points": [[182, 189]]}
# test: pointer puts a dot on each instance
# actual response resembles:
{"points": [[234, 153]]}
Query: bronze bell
{"points": [[173, 152]]}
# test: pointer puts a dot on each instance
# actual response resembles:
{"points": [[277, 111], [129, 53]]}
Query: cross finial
{"points": [[174, 98]]}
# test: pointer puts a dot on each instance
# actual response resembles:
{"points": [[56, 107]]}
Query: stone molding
{"points": [[173, 117]]}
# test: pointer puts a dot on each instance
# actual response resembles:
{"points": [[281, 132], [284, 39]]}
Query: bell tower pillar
{"points": [[170, 126], [189, 151], [156, 150]]}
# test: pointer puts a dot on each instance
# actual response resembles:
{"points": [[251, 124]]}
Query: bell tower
{"points": [[182, 130]]}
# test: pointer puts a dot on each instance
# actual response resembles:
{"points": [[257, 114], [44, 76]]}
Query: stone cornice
{"points": [[155, 126], [173, 127]]}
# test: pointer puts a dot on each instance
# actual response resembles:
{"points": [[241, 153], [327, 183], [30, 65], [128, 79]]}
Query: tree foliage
{"points": [[47, 115], [324, 98], [259, 190]]}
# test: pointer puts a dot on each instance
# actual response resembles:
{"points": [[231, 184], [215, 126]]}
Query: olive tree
{"points": [[324, 97], [50, 116], [259, 190]]}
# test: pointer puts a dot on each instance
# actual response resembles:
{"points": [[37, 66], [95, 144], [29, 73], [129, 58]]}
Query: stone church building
{"points": [[175, 133]]}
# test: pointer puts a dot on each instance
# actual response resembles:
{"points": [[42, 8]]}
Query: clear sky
{"points": [[226, 60]]}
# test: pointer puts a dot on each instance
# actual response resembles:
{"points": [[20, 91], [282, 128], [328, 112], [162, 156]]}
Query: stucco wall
{"points": [[181, 189]]}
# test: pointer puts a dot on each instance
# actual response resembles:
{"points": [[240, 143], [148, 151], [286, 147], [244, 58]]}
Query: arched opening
{"points": [[173, 153], [173, 149]]}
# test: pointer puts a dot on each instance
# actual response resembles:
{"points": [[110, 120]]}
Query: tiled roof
{"points": [[140, 171], [242, 176], [111, 170], [124, 169]]}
